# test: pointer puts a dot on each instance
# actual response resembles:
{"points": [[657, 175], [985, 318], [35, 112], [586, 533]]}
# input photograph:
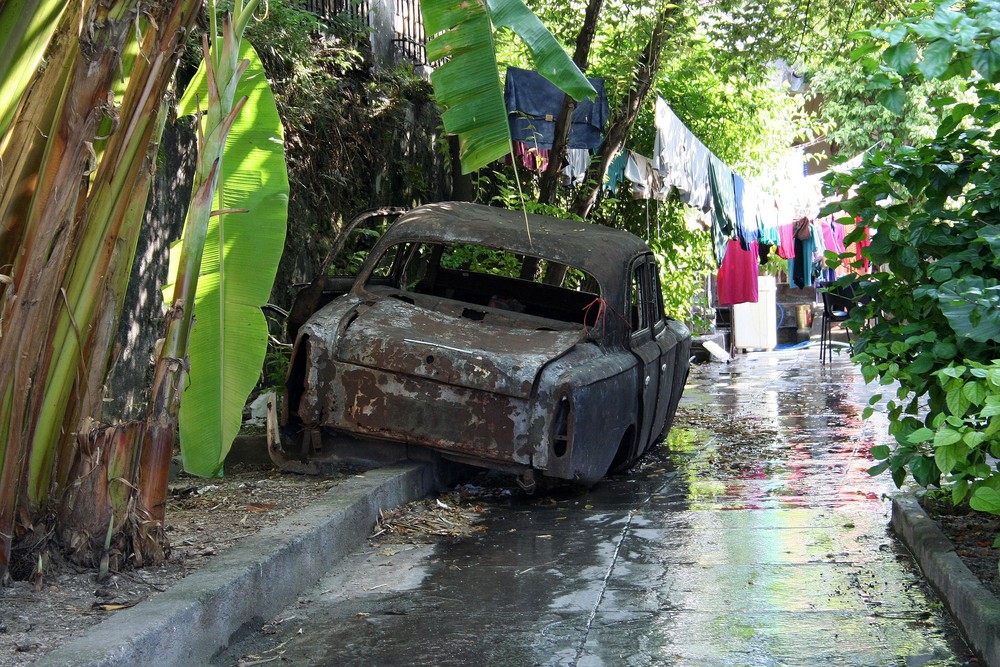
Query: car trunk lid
{"points": [[396, 336]]}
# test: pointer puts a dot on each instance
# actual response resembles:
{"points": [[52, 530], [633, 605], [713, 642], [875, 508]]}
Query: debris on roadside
{"points": [[454, 515], [731, 446]]}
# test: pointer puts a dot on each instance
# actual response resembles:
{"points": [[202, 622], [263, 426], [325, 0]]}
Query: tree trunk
{"points": [[550, 178], [620, 128], [71, 204], [98, 493]]}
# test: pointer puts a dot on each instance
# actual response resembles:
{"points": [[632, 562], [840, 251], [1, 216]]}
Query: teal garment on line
{"points": [[720, 178], [800, 266], [616, 172]]}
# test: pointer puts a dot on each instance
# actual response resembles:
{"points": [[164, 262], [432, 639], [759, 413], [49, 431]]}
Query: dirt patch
{"points": [[204, 517], [973, 534]]}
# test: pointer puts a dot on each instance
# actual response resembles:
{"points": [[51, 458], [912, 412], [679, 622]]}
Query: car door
{"points": [[644, 303], [667, 334]]}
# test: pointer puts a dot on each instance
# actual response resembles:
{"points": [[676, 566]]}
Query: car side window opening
{"points": [[643, 297], [390, 259], [658, 312], [488, 277]]}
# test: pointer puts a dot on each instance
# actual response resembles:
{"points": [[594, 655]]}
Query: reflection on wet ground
{"points": [[758, 540]]}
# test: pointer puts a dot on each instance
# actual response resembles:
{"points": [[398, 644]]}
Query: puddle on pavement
{"points": [[753, 537]]}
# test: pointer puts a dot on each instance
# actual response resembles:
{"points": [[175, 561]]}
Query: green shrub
{"points": [[931, 324]]}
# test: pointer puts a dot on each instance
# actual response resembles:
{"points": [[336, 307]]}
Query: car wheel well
{"points": [[625, 455], [295, 381]]}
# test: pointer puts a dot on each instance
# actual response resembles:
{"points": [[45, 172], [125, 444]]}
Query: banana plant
{"points": [[468, 83], [72, 193], [223, 70], [242, 250]]}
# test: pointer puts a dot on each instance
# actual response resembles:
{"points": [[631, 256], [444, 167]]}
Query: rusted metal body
{"points": [[500, 372]]}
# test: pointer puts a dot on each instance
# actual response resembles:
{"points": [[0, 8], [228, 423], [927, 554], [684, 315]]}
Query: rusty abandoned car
{"points": [[527, 344]]}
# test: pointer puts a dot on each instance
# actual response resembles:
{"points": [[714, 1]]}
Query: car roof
{"points": [[602, 251]]}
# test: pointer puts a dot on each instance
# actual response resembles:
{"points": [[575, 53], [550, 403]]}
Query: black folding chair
{"points": [[837, 304]]}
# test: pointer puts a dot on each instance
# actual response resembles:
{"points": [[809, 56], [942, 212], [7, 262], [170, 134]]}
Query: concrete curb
{"points": [[976, 609], [252, 581]]}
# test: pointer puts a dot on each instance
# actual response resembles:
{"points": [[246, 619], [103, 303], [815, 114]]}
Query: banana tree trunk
{"points": [[223, 69], [54, 193]]}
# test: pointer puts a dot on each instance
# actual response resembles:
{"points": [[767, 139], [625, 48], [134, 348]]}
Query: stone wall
{"points": [[393, 162]]}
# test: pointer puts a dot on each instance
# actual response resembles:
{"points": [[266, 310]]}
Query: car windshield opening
{"points": [[492, 278]]}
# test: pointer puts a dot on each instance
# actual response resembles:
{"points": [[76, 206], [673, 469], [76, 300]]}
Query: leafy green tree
{"points": [[930, 319], [749, 35], [855, 121]]}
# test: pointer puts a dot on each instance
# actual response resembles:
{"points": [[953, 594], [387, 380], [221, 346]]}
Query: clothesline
{"points": [[746, 220]]}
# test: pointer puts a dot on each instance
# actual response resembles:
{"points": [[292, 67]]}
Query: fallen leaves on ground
{"points": [[454, 516], [204, 517]]}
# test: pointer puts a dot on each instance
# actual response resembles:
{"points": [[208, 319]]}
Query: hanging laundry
{"points": [[532, 158], [616, 172], [533, 104], [763, 251], [752, 202], [737, 279], [833, 241], [577, 163], [670, 148], [747, 221], [833, 235], [786, 244], [699, 158], [800, 265], [723, 206], [816, 229], [818, 258], [767, 206], [646, 183]]}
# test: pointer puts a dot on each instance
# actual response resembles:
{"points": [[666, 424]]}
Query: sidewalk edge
{"points": [[975, 609], [251, 582]]}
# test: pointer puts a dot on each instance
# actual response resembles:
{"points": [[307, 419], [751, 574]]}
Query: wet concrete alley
{"points": [[759, 539]]}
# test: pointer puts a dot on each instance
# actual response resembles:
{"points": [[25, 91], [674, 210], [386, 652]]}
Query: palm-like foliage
{"points": [[468, 84], [242, 250], [72, 192]]}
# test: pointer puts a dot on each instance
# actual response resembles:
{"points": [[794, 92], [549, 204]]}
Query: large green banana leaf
{"points": [[229, 337], [468, 85], [26, 26]]}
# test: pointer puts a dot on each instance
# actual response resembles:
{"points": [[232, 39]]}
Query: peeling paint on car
{"points": [[485, 366]]}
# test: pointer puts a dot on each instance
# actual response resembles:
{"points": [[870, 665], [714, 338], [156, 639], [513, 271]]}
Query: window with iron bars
{"points": [[408, 38]]}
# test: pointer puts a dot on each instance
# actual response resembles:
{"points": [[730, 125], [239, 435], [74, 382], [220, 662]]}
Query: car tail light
{"points": [[562, 435]]}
